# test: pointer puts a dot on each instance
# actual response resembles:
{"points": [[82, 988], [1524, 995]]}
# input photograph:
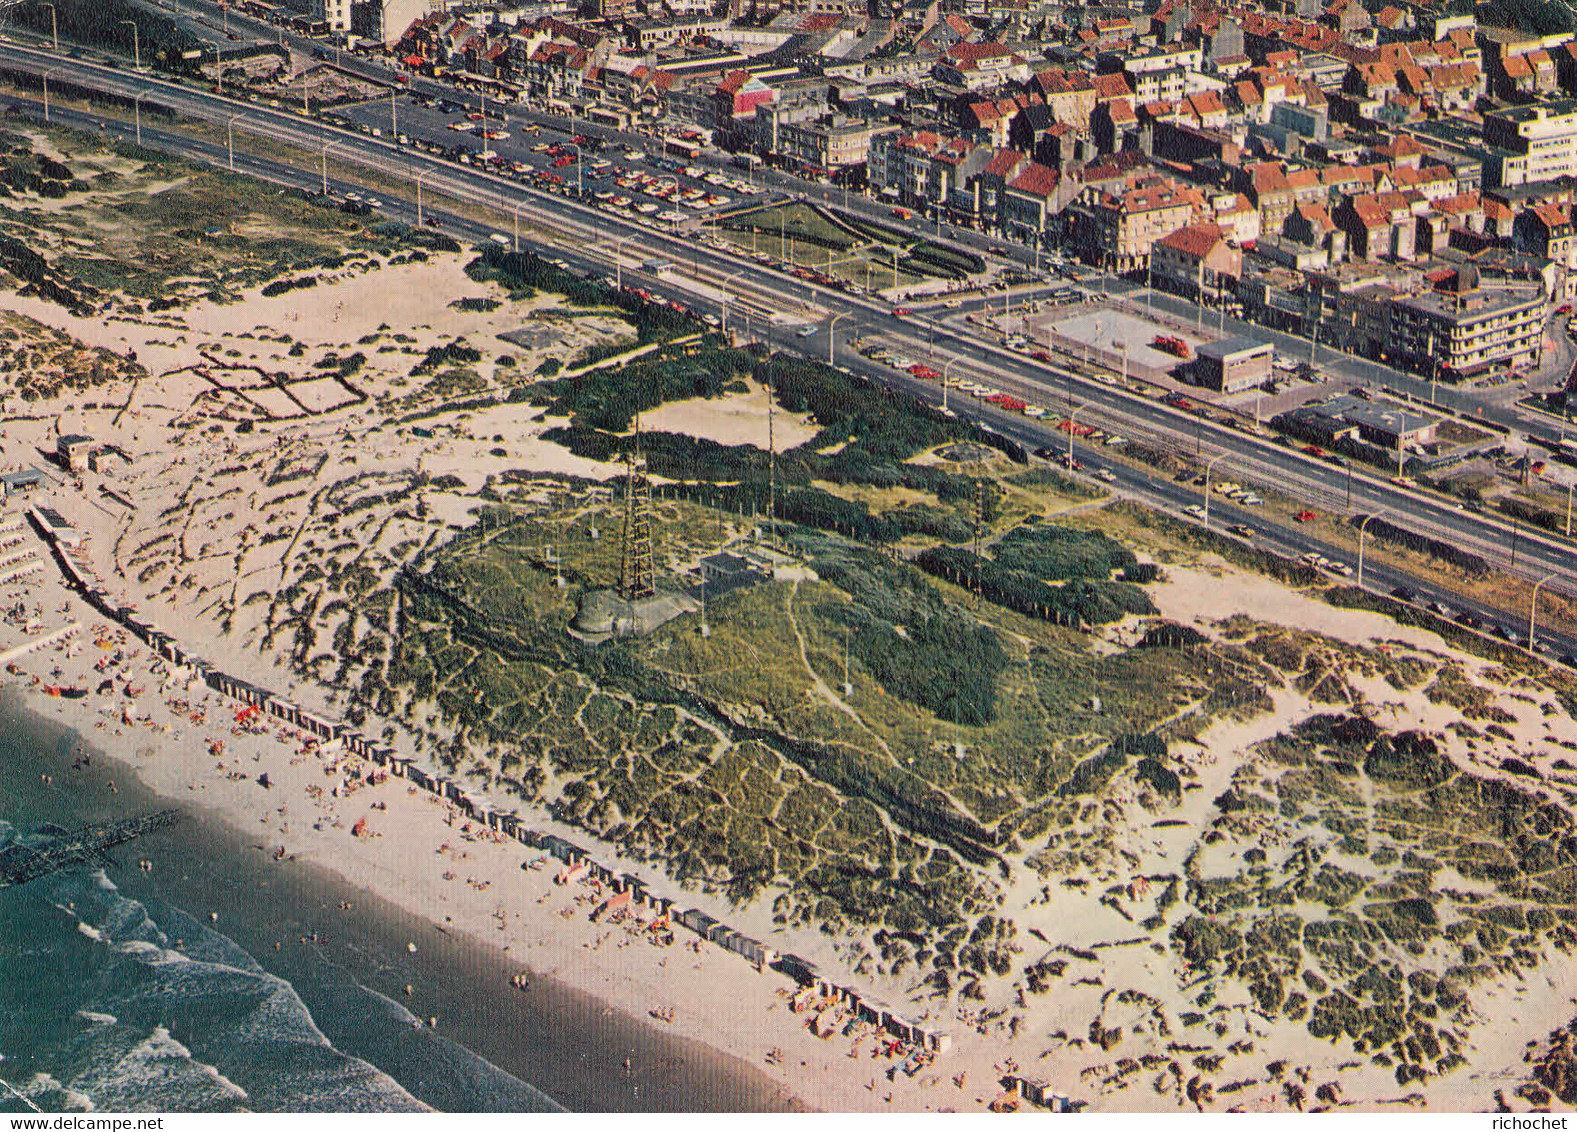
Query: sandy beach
{"points": [[236, 495], [325, 810]]}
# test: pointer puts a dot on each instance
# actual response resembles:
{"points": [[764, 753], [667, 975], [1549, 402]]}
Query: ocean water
{"points": [[220, 980], [95, 986]]}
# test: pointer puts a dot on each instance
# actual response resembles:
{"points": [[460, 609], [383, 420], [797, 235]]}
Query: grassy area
{"points": [[803, 235]]}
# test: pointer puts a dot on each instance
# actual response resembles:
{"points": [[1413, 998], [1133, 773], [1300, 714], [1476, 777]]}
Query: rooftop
{"points": [[1380, 416], [1226, 347]]}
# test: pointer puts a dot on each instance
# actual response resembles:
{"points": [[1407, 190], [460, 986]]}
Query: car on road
{"points": [[953, 304], [1241, 530], [1106, 475], [806, 331], [1195, 510], [902, 312], [1305, 516]]}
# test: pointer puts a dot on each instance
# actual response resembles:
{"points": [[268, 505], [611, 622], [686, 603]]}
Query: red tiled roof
{"points": [[1121, 111], [1112, 86], [1004, 162], [1036, 180], [1193, 240]]}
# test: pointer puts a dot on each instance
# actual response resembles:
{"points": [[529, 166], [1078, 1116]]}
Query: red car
{"points": [[1564, 308], [902, 312], [1041, 356], [1304, 516]]}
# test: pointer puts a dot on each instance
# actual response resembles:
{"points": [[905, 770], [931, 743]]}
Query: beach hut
{"points": [[325, 729], [697, 921], [802, 971]]}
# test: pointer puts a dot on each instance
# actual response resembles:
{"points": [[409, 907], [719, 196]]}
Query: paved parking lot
{"points": [[641, 182]]}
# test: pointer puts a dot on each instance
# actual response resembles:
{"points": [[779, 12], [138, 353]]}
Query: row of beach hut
{"points": [[579, 863]]}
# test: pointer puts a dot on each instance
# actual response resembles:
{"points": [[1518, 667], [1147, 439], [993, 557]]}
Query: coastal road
{"points": [[591, 239], [207, 19]]}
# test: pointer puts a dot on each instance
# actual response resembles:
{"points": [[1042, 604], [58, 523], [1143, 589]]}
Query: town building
{"points": [[1231, 365]]}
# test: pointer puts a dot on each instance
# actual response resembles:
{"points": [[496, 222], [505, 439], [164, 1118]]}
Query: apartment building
{"points": [[1196, 261], [1468, 326], [1120, 229], [1539, 140], [830, 143]]}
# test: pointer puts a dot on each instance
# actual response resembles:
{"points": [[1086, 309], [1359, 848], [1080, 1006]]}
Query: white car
{"points": [[1195, 510], [1251, 501], [805, 331], [1106, 474]]}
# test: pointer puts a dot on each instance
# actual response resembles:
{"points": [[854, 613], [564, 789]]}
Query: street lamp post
{"points": [[323, 159], [1533, 607], [580, 168], [219, 69], [394, 116], [47, 73], [618, 263], [945, 368], [54, 26], [419, 178], [727, 296], [1367, 519], [136, 43], [1569, 507], [1072, 412], [1209, 466], [230, 139], [831, 338], [136, 105]]}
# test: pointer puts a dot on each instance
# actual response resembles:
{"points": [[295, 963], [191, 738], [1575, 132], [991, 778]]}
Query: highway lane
{"points": [[1499, 409], [589, 229]]}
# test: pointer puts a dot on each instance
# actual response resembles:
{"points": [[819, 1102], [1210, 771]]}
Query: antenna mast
{"points": [[635, 564]]}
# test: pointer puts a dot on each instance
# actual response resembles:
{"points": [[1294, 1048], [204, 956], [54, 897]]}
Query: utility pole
{"points": [[772, 464], [54, 26], [136, 104]]}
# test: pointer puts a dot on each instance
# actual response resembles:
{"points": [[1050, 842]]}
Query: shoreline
{"points": [[205, 865]]}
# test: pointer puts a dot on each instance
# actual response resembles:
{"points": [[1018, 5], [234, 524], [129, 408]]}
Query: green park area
{"points": [[868, 255]]}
